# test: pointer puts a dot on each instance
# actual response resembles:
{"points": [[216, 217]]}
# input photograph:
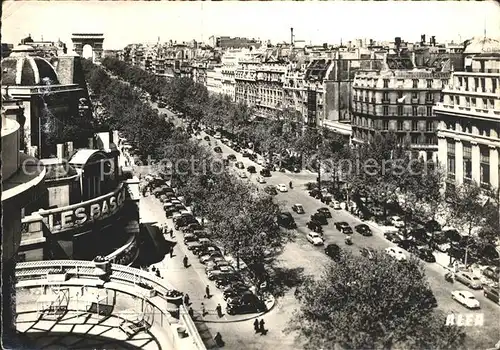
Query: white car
{"points": [[396, 221], [314, 238], [217, 135], [260, 161], [335, 205], [261, 180], [465, 298], [198, 137], [282, 188], [397, 253], [243, 175]]}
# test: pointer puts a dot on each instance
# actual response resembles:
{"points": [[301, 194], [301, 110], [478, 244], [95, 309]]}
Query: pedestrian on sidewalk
{"points": [[158, 273], [185, 261], [191, 312], [207, 292], [219, 310], [262, 330], [186, 299], [171, 233], [256, 325], [172, 251], [203, 310]]}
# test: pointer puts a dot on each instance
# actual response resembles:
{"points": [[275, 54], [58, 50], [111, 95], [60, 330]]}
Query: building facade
{"points": [[398, 98], [469, 128]]}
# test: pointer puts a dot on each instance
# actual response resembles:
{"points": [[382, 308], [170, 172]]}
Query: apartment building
{"points": [[400, 98], [469, 122], [214, 80]]}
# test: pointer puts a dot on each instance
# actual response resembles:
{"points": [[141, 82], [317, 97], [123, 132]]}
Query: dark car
{"points": [[325, 211], [251, 169], [368, 253], [319, 217], [343, 227], [271, 190], [236, 148], [424, 253], [245, 154], [492, 273], [234, 291], [298, 208], [315, 226], [239, 165], [265, 173], [439, 242], [190, 238], [217, 149], [392, 236], [363, 229], [491, 293], [333, 251], [206, 138], [194, 226], [231, 157], [315, 193], [184, 222], [407, 244], [245, 303], [286, 220]]}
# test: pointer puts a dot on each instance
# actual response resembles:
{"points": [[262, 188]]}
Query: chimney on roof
{"points": [[69, 148], [397, 43], [422, 39], [291, 37], [60, 151], [433, 40]]}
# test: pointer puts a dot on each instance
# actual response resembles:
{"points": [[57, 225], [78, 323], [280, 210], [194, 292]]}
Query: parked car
{"points": [[243, 175], [316, 193], [286, 220], [469, 279], [245, 154], [368, 253], [282, 188], [424, 253], [397, 253], [343, 227], [325, 211], [491, 292], [246, 303], [439, 242], [265, 172], [465, 298], [392, 236], [193, 245], [363, 229], [239, 165], [407, 244], [189, 237], [210, 257], [234, 291], [492, 273], [315, 226], [319, 217], [333, 251], [315, 238], [207, 138], [223, 271], [217, 149], [396, 221], [231, 157], [335, 205], [271, 190], [251, 169], [298, 208]]}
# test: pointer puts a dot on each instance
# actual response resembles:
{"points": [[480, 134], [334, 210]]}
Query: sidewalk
{"points": [[192, 280]]}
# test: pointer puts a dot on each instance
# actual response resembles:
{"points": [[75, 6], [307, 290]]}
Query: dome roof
{"points": [[23, 69], [57, 169], [482, 45]]}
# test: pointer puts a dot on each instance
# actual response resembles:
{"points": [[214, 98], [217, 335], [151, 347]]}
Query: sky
{"points": [[125, 22]]}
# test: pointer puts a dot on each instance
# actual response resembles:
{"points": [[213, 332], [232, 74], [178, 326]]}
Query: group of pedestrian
{"points": [[259, 326]]}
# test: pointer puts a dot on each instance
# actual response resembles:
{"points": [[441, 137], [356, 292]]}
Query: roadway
{"points": [[302, 257]]}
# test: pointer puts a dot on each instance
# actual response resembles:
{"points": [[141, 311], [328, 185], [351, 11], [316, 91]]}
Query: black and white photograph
{"points": [[250, 175]]}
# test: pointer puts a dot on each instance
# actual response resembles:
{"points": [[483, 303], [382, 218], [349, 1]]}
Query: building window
{"points": [[429, 126], [385, 125], [386, 83], [400, 94], [473, 102], [414, 139], [429, 97], [429, 111], [451, 159], [400, 125], [429, 83], [386, 96], [414, 110], [414, 125], [386, 110], [400, 110], [485, 166], [415, 83], [467, 161], [414, 95]]}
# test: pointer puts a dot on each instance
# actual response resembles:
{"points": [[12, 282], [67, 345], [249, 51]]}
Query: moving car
{"points": [[335, 205], [286, 220], [333, 251], [261, 180], [368, 253], [251, 169], [325, 211], [363, 229], [315, 226], [465, 298], [298, 208], [396, 221], [239, 165], [314, 238], [397, 253], [282, 188], [343, 227], [217, 149], [491, 292], [468, 278]]}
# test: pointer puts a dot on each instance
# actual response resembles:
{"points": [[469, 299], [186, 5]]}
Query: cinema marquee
{"points": [[81, 214]]}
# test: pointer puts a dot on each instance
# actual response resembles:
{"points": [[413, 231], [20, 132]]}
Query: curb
{"points": [[246, 318]]}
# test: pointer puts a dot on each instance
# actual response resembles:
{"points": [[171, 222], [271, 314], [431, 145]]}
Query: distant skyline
{"points": [[129, 22]]}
